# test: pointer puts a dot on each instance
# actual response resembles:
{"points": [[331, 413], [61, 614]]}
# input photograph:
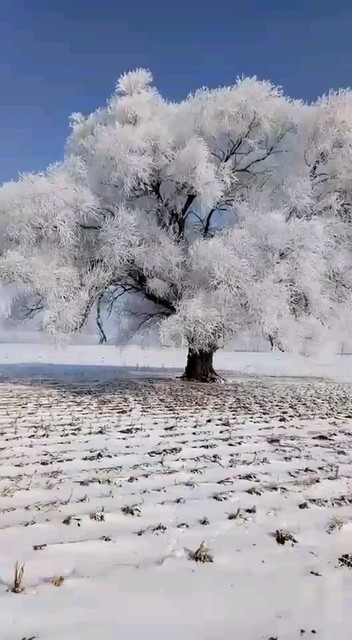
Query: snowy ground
{"points": [[111, 478]]}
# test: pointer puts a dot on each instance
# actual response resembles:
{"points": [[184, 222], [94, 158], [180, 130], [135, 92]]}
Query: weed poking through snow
{"points": [[58, 581], [98, 517], [282, 537], [131, 510], [346, 560], [17, 585], [202, 554]]}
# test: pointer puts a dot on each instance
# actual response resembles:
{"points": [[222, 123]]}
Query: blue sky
{"points": [[60, 56]]}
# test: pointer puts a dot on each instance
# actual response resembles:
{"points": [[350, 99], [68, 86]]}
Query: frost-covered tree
{"points": [[325, 158], [206, 217]]}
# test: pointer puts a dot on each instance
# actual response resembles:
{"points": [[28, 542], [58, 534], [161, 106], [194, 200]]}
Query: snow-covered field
{"points": [[111, 477]]}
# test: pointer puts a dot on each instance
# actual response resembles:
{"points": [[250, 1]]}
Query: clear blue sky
{"points": [[59, 56]]}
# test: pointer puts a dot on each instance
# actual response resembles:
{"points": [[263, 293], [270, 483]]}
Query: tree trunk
{"points": [[199, 367]]}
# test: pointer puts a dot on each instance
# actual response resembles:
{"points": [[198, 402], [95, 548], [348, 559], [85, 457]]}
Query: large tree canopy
{"points": [[228, 212]]}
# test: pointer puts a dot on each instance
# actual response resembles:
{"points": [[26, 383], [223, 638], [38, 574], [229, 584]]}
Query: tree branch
{"points": [[208, 222], [141, 282], [147, 318], [103, 338]]}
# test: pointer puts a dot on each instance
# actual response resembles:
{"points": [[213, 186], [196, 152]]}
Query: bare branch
{"points": [[147, 319], [140, 281], [208, 222], [103, 338]]}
